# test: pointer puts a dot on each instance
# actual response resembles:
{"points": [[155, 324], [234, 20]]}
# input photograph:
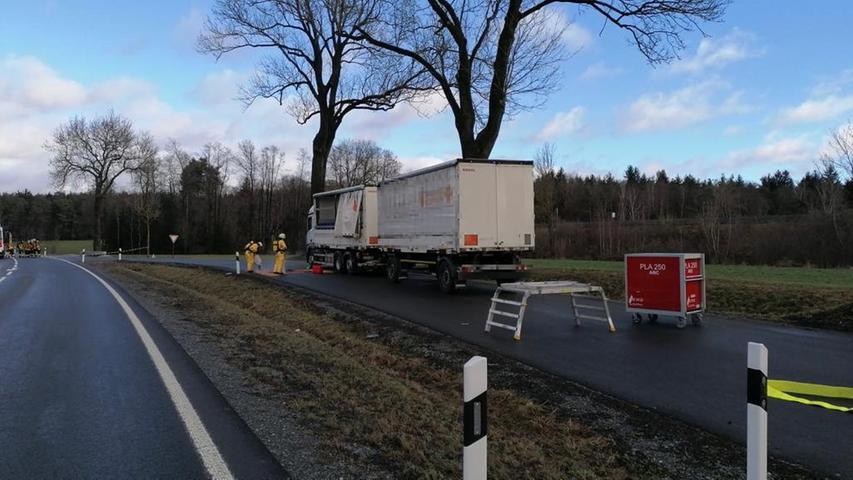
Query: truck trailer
{"points": [[459, 220]]}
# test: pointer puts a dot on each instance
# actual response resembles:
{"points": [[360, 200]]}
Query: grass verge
{"points": [[816, 298], [382, 392], [403, 407]]}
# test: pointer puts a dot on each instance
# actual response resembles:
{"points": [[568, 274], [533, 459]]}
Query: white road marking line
{"points": [[11, 270], [210, 455]]}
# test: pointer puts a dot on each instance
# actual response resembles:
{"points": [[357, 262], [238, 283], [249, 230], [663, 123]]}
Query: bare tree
{"points": [[97, 153], [173, 163], [831, 191], [146, 178], [545, 195], [841, 149], [316, 67], [491, 58], [543, 163], [270, 164], [361, 162], [247, 161]]}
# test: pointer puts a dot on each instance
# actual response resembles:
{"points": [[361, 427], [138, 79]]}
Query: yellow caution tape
{"points": [[783, 390]]}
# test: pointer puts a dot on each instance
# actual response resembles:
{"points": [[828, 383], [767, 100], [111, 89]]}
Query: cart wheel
{"points": [[697, 319], [637, 318], [653, 317], [681, 322]]}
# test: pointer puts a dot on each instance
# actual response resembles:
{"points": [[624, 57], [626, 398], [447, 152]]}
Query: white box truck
{"points": [[459, 220]]}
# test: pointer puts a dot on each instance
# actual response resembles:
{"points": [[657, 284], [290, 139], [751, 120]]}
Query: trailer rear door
{"points": [[477, 205], [514, 205]]}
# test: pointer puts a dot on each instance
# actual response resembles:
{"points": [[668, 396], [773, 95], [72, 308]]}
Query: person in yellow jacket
{"points": [[279, 247], [250, 250]]}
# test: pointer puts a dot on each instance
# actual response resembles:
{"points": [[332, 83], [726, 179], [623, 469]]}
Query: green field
{"points": [[812, 297], [806, 276], [63, 247]]}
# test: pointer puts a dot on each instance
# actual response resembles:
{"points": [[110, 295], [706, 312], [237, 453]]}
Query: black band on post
{"points": [[756, 388], [475, 419]]}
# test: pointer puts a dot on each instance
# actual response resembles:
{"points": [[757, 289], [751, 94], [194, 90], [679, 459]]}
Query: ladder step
{"points": [[505, 314], [502, 325], [508, 302], [590, 317], [590, 307], [593, 297]]}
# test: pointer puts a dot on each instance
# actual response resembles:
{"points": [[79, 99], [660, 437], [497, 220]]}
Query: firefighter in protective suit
{"points": [[250, 250], [279, 248]]}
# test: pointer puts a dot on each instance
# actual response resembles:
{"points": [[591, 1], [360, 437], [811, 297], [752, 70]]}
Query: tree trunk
{"points": [[482, 145], [322, 145], [99, 213]]}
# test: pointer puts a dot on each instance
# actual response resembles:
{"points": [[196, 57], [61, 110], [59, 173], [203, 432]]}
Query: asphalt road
{"points": [[697, 374], [81, 397]]}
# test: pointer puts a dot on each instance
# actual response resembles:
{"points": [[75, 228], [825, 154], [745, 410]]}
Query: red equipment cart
{"points": [[665, 284]]}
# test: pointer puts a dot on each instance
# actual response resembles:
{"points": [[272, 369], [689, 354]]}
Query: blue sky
{"points": [[760, 93]]}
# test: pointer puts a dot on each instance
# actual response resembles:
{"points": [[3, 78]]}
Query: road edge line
{"points": [[210, 455]]}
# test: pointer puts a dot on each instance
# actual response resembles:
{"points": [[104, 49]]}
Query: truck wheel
{"points": [[446, 277], [351, 263], [309, 258], [392, 269], [340, 264]]}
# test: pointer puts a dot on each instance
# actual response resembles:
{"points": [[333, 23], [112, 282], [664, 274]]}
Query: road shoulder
{"points": [[648, 444]]}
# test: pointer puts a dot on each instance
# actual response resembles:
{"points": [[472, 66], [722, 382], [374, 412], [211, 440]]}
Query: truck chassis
{"points": [[451, 269]]}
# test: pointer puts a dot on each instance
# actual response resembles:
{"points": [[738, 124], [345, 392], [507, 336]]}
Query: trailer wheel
{"points": [[392, 269], [351, 263], [637, 318], [653, 317], [446, 274], [682, 322], [340, 264], [697, 319]]}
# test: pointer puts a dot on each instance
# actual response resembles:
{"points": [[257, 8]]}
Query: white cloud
{"points": [[220, 87], [574, 36], [682, 108], [29, 82], [119, 89], [417, 162], [35, 99], [600, 70], [816, 110], [716, 53], [375, 125], [563, 124], [833, 85], [186, 30], [775, 151]]}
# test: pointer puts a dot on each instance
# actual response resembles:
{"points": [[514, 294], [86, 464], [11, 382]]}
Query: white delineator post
{"points": [[756, 412], [119, 254], [237, 262], [83, 256], [475, 419]]}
